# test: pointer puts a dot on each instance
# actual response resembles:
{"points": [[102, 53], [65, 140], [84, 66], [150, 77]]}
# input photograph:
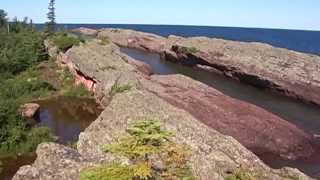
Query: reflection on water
{"points": [[305, 116], [66, 117]]}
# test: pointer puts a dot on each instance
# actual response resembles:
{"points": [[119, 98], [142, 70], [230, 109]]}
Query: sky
{"points": [[284, 14]]}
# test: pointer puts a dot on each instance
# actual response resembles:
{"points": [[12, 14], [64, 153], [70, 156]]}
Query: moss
{"points": [[117, 88], [144, 139]]}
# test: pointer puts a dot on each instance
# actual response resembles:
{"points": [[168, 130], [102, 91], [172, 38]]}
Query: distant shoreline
{"points": [[297, 40]]}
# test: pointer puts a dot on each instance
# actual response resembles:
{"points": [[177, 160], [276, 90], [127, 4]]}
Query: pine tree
{"points": [[3, 18], [52, 18]]}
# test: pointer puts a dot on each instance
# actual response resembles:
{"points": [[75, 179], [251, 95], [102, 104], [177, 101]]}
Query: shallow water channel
{"points": [[306, 117], [66, 117]]}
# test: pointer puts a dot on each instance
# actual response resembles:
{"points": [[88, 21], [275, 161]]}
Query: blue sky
{"points": [[286, 14]]}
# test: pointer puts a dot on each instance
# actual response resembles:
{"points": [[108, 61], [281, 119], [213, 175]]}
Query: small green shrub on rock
{"points": [[64, 41], [151, 153]]}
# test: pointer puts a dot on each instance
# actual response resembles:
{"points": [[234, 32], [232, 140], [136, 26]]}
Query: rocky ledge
{"points": [[290, 73], [179, 103]]}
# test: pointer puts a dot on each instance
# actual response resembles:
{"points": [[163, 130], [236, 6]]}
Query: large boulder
{"points": [[29, 110]]}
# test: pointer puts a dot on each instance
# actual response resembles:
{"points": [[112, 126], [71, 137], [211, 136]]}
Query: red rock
{"points": [[252, 126]]}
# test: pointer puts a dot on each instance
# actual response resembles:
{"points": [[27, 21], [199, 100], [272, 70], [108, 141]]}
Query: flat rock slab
{"points": [[254, 127]]}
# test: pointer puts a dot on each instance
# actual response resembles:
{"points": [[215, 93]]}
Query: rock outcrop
{"points": [[290, 73], [167, 99]]}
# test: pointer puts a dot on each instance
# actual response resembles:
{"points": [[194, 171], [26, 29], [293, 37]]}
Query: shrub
{"points": [[64, 41], [20, 51], [145, 141]]}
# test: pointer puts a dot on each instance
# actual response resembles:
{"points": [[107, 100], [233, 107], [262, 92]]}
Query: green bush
{"points": [[64, 41], [15, 134], [20, 51], [145, 139]]}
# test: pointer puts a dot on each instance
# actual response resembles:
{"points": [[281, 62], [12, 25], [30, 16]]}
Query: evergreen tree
{"points": [[50, 26], [3, 18]]}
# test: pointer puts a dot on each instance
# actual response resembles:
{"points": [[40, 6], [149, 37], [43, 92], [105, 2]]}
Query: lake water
{"points": [[66, 117]]}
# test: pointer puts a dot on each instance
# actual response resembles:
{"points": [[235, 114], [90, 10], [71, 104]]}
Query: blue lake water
{"points": [[298, 40]]}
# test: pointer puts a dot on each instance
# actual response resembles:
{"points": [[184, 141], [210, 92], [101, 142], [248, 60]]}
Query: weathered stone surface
{"points": [[134, 39], [254, 127], [291, 73], [29, 110], [213, 154], [54, 162]]}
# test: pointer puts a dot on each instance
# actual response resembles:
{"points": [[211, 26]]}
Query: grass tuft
{"points": [[117, 88]]}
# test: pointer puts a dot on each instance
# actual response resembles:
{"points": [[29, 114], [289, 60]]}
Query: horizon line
{"points": [[219, 26]]}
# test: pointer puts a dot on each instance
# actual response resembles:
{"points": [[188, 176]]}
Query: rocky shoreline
{"points": [[180, 103], [290, 73]]}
